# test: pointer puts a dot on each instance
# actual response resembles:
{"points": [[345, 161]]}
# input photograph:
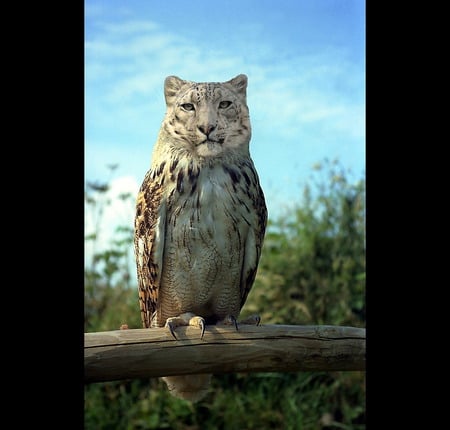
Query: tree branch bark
{"points": [[141, 353]]}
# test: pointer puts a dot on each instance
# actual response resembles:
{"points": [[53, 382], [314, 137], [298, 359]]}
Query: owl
{"points": [[200, 215]]}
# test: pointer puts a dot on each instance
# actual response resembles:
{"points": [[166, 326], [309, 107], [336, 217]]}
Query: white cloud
{"points": [[308, 99], [115, 208]]}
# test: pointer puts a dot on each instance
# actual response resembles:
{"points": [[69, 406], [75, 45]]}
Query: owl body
{"points": [[201, 214]]}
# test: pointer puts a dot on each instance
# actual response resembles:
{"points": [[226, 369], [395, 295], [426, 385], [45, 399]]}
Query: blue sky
{"points": [[305, 61]]}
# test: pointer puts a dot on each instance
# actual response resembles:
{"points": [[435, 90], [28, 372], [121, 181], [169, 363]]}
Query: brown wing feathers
{"points": [[147, 206]]}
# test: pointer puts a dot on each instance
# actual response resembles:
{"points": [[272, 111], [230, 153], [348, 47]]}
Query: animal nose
{"points": [[206, 129]]}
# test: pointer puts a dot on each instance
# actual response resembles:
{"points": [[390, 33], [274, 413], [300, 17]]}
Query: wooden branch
{"points": [[141, 353]]}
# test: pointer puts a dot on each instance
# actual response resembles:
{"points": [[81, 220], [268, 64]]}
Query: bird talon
{"points": [[230, 320], [170, 326], [258, 320], [234, 320], [201, 325], [252, 320]]}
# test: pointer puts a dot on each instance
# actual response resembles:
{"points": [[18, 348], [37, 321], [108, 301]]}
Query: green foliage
{"points": [[110, 297], [312, 271]]}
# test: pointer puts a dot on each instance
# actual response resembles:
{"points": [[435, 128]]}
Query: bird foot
{"points": [[251, 320], [185, 319], [231, 320]]}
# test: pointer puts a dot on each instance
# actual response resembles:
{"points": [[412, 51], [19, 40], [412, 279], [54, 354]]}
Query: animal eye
{"points": [[224, 104], [188, 106]]}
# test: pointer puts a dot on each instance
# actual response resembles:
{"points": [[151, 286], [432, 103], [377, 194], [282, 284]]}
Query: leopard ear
{"points": [[172, 85], [240, 84]]}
